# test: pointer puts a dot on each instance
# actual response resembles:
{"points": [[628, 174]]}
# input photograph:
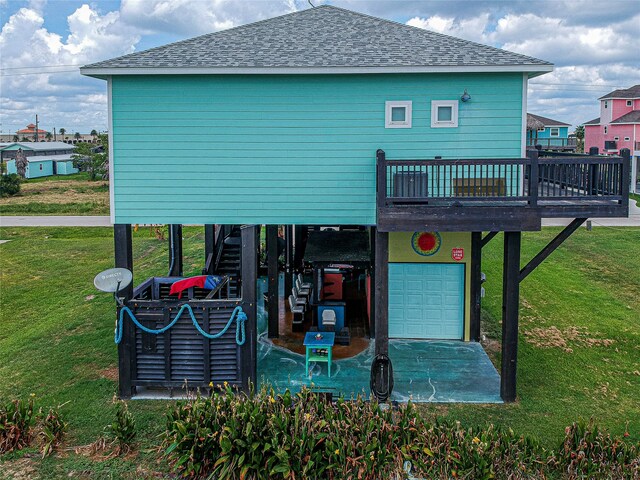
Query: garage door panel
{"points": [[426, 300]]}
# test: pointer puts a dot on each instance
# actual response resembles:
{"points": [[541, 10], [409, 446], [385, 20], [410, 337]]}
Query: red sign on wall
{"points": [[457, 254]]}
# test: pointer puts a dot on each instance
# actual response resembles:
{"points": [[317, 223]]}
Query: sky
{"points": [[594, 44]]}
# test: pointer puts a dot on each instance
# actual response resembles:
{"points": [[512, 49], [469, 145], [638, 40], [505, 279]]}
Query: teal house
{"points": [[45, 166], [374, 155], [548, 133]]}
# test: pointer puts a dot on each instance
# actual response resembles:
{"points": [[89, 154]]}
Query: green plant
{"points": [[10, 185], [123, 430], [590, 452], [16, 420], [53, 428]]}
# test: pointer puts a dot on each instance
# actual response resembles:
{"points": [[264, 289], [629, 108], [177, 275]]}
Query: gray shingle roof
{"points": [[595, 121], [631, 92], [631, 117], [547, 122], [43, 146], [320, 38]]}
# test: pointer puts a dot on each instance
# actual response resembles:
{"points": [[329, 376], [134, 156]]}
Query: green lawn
{"points": [[579, 348], [59, 195]]}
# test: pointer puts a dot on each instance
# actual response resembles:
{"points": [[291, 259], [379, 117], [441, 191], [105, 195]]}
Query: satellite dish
{"points": [[112, 280]]}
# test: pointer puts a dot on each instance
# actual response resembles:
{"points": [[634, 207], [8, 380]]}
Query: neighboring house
{"points": [[618, 127], [45, 166], [34, 149], [31, 131], [412, 143], [549, 134]]}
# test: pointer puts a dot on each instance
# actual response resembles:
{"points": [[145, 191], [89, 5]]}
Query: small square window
{"points": [[606, 130], [616, 138], [397, 114], [629, 103], [626, 139], [444, 113], [606, 104], [554, 132]]}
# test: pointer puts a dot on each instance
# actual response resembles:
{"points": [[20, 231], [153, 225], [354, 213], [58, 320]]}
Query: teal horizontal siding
{"points": [[288, 149]]}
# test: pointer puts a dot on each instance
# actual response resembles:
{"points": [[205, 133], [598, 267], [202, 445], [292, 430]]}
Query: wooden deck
{"points": [[498, 194]]}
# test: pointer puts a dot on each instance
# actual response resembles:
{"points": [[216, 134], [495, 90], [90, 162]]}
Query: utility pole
{"points": [[55, 137], [36, 135]]}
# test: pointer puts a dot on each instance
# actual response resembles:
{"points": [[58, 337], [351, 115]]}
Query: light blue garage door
{"points": [[426, 300]]}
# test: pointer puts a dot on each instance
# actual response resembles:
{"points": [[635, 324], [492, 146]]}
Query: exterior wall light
{"points": [[465, 96]]}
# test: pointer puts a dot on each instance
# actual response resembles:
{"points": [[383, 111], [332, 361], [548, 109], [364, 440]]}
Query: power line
{"points": [[36, 73], [41, 66]]}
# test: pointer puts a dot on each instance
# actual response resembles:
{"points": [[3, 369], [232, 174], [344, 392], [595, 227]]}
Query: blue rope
{"points": [[238, 315]]}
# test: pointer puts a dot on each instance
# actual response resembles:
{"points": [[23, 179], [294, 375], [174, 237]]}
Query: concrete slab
{"points": [[424, 371], [55, 221]]}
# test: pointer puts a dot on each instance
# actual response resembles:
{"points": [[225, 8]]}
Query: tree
{"points": [[88, 159], [48, 136], [21, 163], [62, 132], [16, 138], [77, 135], [579, 132], [94, 133]]}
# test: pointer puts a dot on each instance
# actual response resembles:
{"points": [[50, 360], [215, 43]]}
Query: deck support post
{"points": [[510, 304], [298, 248], [273, 313], [372, 289], [175, 250], [123, 253], [248, 353], [550, 248], [487, 238], [381, 304], [288, 258], [209, 248], [476, 285]]}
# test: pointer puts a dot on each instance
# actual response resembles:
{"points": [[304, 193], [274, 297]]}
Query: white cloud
{"points": [[31, 56], [192, 18]]}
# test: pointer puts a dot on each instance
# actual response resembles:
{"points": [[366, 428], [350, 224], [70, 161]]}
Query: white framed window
{"points": [[626, 139], [629, 103], [541, 129], [606, 104], [606, 130], [554, 132], [444, 113], [397, 114], [616, 138]]}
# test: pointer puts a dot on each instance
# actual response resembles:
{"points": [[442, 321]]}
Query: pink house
{"points": [[617, 127]]}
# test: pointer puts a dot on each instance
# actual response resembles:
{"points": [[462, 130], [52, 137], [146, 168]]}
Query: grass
{"points": [[59, 195], [636, 197], [56, 339]]}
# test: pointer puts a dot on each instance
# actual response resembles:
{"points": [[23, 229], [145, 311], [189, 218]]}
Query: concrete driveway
{"points": [[55, 221]]}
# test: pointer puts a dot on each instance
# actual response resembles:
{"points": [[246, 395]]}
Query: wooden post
{"points": [[476, 285], [288, 259], [510, 304], [273, 313], [298, 248], [381, 311], [372, 274], [248, 365], [534, 178], [209, 248], [175, 251], [126, 348], [628, 180], [381, 178]]}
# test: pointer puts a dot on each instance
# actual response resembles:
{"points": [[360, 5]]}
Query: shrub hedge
{"points": [[262, 435]]}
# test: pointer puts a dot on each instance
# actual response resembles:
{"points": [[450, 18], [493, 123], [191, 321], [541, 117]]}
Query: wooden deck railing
{"points": [[546, 143], [524, 182]]}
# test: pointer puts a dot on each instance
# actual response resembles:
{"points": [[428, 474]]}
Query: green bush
{"points": [[589, 452], [53, 428], [9, 185], [123, 430], [262, 435], [16, 421]]}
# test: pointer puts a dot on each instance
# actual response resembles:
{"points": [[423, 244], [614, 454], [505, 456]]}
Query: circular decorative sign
{"points": [[426, 243], [113, 279]]}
